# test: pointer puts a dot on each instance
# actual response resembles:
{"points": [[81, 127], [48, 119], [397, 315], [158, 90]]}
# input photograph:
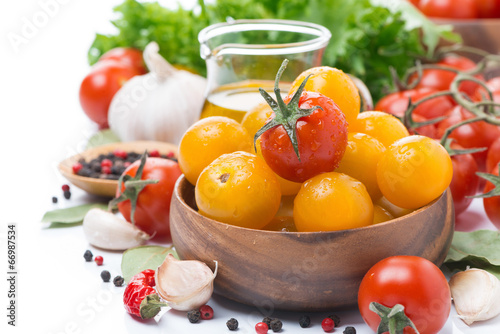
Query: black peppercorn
{"points": [[67, 194], [232, 324], [304, 321], [335, 318], [349, 330], [88, 255], [105, 275], [118, 281], [54, 199], [194, 316], [267, 321], [276, 325]]}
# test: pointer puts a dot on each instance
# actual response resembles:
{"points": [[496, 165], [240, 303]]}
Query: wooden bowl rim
{"points": [[65, 166], [182, 179]]}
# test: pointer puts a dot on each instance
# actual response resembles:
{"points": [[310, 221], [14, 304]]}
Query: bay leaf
{"points": [[73, 215], [137, 259], [101, 138]]}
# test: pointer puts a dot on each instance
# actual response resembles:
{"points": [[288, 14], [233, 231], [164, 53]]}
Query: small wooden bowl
{"points": [[104, 187], [308, 271]]}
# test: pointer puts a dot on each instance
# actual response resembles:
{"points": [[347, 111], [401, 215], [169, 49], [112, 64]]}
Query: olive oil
{"points": [[235, 100]]}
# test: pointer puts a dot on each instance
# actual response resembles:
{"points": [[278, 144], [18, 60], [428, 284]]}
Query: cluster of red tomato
{"points": [[480, 134], [106, 77], [335, 161], [463, 9]]}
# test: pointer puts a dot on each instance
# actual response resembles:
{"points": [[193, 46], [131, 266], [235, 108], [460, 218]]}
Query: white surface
{"points": [[42, 123]]}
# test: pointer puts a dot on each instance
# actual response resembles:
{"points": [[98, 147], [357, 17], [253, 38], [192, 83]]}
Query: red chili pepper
{"points": [[139, 287]]}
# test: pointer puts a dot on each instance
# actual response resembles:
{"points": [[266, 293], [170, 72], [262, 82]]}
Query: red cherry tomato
{"points": [[488, 8], [472, 135], [464, 182], [442, 79], [153, 203], [129, 56], [466, 9], [397, 103], [493, 156], [492, 204], [100, 85], [321, 136], [137, 289], [413, 282]]}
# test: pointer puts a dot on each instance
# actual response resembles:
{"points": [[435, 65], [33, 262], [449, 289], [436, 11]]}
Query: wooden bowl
{"points": [[307, 271], [103, 187]]}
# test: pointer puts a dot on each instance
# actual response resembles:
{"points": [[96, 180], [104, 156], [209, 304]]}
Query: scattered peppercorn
{"points": [[261, 328], [194, 316], [88, 255], [105, 275], [99, 260], [118, 281], [327, 324], [154, 154], [335, 318], [54, 199], [349, 330], [207, 312], [67, 194], [77, 167], [232, 324], [276, 325], [65, 187], [304, 321], [267, 321]]}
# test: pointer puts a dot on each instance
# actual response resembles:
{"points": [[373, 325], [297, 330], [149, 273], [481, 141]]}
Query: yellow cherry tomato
{"points": [[382, 126], [255, 118], [381, 215], [334, 84], [394, 210], [240, 189], [206, 140], [414, 171], [360, 161], [330, 202]]}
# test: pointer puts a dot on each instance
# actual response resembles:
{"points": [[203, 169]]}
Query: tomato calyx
{"points": [[133, 186], [285, 115], [392, 320], [495, 180], [151, 306]]}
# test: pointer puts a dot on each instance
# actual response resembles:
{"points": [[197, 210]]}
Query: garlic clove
{"points": [[105, 230], [476, 295], [184, 285]]}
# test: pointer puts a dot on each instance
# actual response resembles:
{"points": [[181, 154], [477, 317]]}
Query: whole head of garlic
{"points": [[159, 105], [105, 230], [476, 295], [184, 285]]}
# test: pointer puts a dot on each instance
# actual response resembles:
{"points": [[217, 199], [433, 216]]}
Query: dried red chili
{"points": [[137, 289]]}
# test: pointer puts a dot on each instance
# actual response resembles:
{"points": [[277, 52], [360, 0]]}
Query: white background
{"points": [[41, 124]]}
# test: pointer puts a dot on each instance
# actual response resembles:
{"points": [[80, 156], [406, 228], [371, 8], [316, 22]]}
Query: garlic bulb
{"points": [[159, 105], [184, 285], [105, 230], [476, 295]]}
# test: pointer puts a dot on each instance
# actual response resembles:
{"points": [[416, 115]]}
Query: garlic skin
{"points": [[476, 295], [160, 105], [184, 285], [107, 231]]}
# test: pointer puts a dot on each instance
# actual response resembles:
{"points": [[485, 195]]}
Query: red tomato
{"points": [[397, 103], [488, 8], [321, 137], [472, 135], [413, 282], [426, 130], [442, 79], [467, 9], [464, 182], [129, 56], [99, 87], [153, 203], [492, 204], [493, 156]]}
